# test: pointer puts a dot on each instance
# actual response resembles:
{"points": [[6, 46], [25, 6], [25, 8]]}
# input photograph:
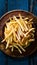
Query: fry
{"points": [[31, 40], [12, 48], [30, 31], [18, 49], [7, 44], [21, 47]]}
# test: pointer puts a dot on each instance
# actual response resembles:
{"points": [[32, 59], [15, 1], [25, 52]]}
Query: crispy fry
{"points": [[31, 40], [21, 47], [12, 48], [18, 48], [30, 31], [7, 44]]}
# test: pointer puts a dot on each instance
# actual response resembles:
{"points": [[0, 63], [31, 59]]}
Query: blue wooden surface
{"points": [[17, 4], [7, 5]]}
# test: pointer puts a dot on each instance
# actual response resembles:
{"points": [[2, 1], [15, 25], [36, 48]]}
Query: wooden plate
{"points": [[31, 48]]}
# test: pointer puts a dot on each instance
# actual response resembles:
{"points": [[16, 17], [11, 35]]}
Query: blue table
{"points": [[28, 5]]}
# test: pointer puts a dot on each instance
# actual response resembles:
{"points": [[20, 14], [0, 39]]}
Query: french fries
{"points": [[18, 32], [23, 23]]}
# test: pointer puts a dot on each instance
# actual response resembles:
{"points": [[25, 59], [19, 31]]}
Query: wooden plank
{"points": [[3, 7], [17, 4]]}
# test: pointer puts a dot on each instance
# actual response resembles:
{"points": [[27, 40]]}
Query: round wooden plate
{"points": [[32, 47]]}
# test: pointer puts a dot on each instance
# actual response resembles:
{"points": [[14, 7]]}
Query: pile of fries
{"points": [[18, 33]]}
